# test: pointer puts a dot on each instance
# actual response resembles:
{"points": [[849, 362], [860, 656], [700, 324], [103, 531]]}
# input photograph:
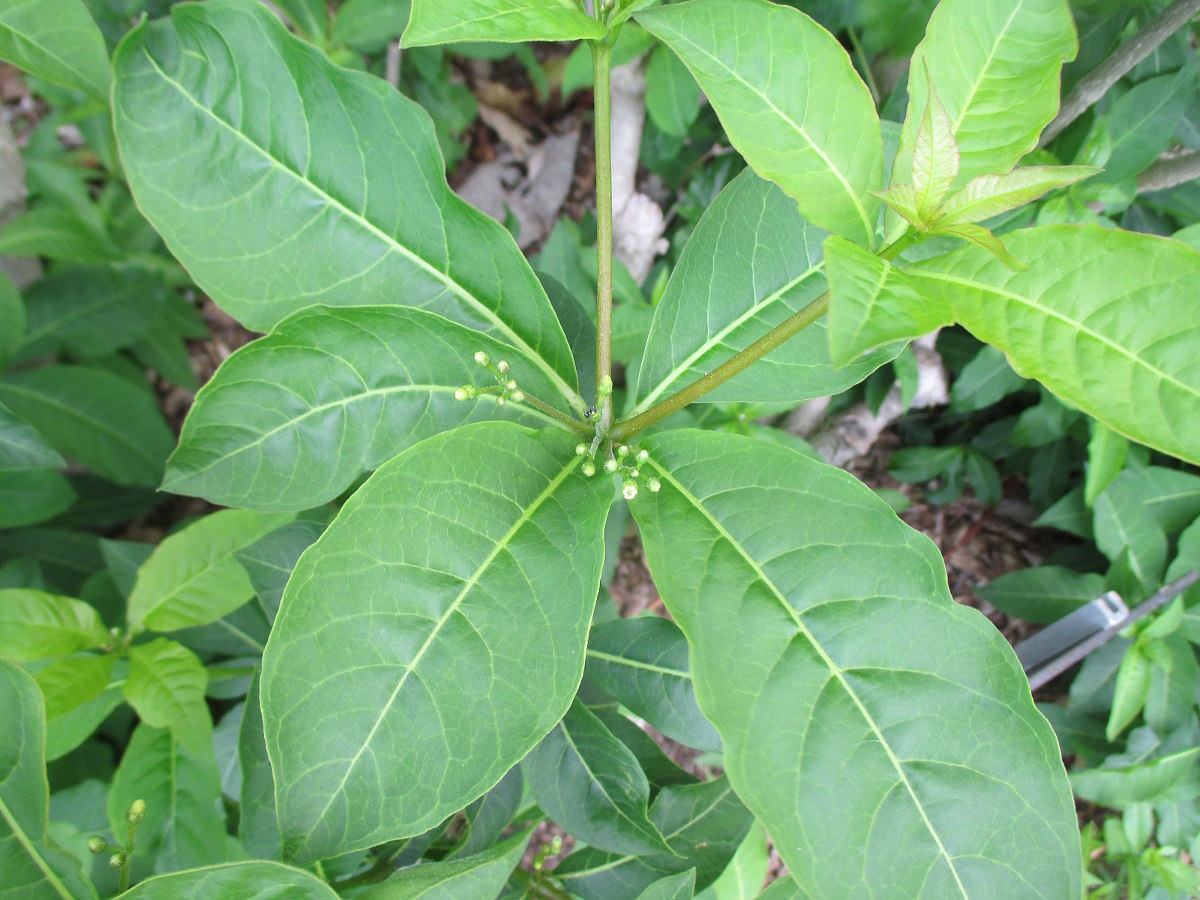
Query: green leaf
{"points": [[72, 681], [486, 542], [782, 888], [1119, 786], [990, 195], [166, 687], [660, 770], [21, 447], [1042, 594], [32, 496], [751, 263], [1141, 123], [745, 875], [790, 101], [72, 728], [1106, 458], [1172, 695], [441, 22], [935, 153], [309, 16], [673, 887], [370, 25], [32, 866], [486, 819], [110, 425], [257, 827], [269, 561], [995, 66], [831, 683], [57, 234], [193, 577], [591, 784], [312, 205], [1122, 525], [184, 825], [703, 823], [34, 625], [12, 320], [90, 310], [481, 875], [672, 95], [362, 384], [643, 664], [253, 880], [1099, 318], [58, 42]]}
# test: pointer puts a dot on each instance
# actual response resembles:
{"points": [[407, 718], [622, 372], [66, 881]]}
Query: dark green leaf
{"points": [[311, 204], [12, 320], [660, 769], [439, 22], [1141, 123], [257, 827], [488, 816], [790, 101], [269, 561], [1042, 594], [1171, 700], [370, 25], [32, 496], [643, 664], [361, 385], [57, 234], [486, 542], [254, 880], [58, 42], [830, 666], [481, 875], [21, 447], [672, 95]]}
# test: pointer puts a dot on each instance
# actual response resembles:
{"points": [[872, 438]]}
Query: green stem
{"points": [[536, 888], [865, 63], [602, 74], [572, 424], [789, 328]]}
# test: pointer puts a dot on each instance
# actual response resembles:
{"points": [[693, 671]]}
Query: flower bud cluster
{"points": [[506, 387], [624, 462]]}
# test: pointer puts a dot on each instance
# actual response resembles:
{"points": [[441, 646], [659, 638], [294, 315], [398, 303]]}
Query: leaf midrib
{"points": [[444, 277], [638, 664], [32, 852], [834, 669], [522, 520]]}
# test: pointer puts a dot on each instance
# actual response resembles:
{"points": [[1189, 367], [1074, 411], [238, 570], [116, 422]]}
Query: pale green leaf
{"points": [[672, 95], [193, 577], [166, 687], [32, 867], [751, 263], [111, 425], [1129, 694], [790, 101], [282, 181], [432, 636], [252, 880], [72, 681], [831, 667], [57, 41], [643, 664], [183, 825], [935, 153], [1106, 458], [673, 887], [34, 625], [982, 237], [1119, 786], [590, 783], [361, 384], [744, 877], [990, 195], [481, 875], [903, 199], [1172, 696], [21, 447], [782, 888], [995, 67], [704, 824], [1105, 319], [441, 22], [72, 728]]}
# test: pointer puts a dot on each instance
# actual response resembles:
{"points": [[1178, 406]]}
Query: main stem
{"points": [[789, 328], [602, 75]]}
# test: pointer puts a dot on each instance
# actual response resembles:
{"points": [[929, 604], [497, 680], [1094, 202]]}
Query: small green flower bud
{"points": [[556, 845], [500, 401], [634, 473], [629, 491], [589, 468], [482, 358], [610, 465], [502, 367], [97, 844], [581, 449], [654, 484], [462, 394], [118, 859], [136, 812], [642, 456], [606, 386], [517, 396], [623, 451], [512, 385]]}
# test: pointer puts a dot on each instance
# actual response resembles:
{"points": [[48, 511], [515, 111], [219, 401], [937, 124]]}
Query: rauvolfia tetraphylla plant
{"points": [[435, 635]]}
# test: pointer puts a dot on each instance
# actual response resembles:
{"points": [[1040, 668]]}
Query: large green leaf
{"points": [[107, 423], [643, 664], [253, 880], [166, 686], [34, 625], [31, 867], [183, 825], [995, 66], [790, 101], [751, 262], [21, 447], [703, 823], [33, 495], [282, 181], [72, 681], [444, 21], [257, 827], [193, 577], [57, 41], [592, 786], [481, 875], [369, 25], [432, 636], [884, 735], [1106, 319], [360, 385]]}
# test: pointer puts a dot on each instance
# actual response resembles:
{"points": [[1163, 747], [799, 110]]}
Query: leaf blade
{"points": [[62, 45], [436, 22]]}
